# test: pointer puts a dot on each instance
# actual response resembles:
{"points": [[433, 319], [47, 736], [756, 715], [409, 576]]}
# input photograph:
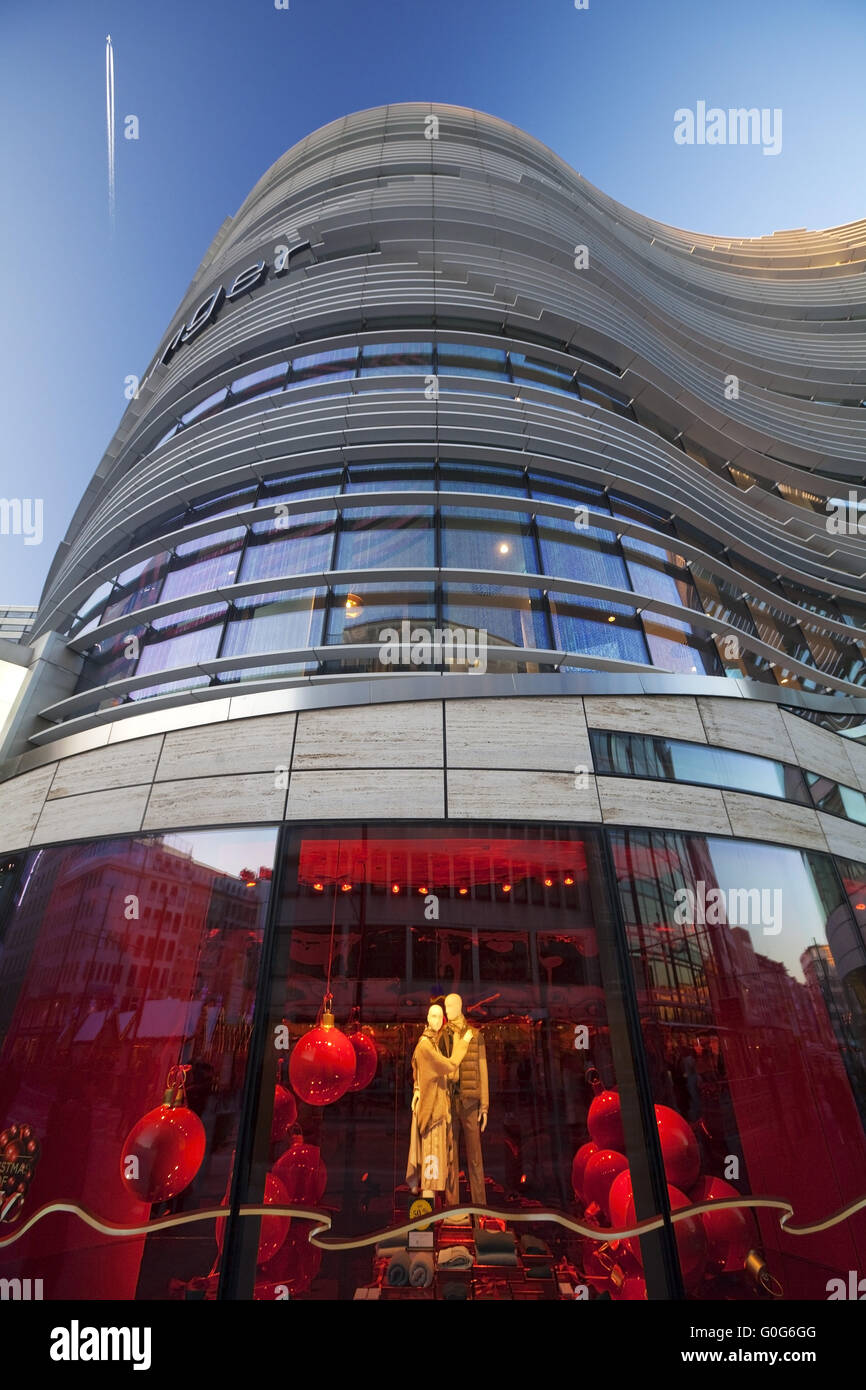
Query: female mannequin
{"points": [[431, 1153]]}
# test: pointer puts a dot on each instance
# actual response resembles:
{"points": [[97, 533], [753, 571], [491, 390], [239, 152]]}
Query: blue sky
{"points": [[222, 87]]}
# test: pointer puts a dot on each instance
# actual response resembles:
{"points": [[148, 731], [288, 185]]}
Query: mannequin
{"points": [[431, 1149], [470, 1102]]}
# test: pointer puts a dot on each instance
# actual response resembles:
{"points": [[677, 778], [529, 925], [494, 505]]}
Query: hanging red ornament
{"points": [[164, 1150], [302, 1173], [730, 1233], [689, 1234], [604, 1121], [274, 1229], [603, 1166], [366, 1059], [285, 1109], [680, 1151], [618, 1198], [578, 1168], [293, 1267], [322, 1063]]}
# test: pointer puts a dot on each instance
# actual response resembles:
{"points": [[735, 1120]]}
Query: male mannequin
{"points": [[431, 1147], [470, 1102]]}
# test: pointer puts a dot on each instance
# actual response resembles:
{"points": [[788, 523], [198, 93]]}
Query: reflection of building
{"points": [[415, 409]]}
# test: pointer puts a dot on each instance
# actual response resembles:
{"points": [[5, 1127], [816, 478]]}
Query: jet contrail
{"points": [[109, 118]]}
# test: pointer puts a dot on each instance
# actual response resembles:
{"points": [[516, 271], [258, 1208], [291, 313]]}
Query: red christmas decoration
{"points": [[604, 1121], [302, 1173], [164, 1150], [366, 1059], [603, 1166], [294, 1266], [285, 1109], [322, 1063], [578, 1168], [274, 1229], [618, 1198], [730, 1234], [690, 1237], [680, 1152]]}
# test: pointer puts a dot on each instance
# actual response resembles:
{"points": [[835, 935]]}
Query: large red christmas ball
{"points": [[285, 1113], [302, 1173], [168, 1146], [618, 1199], [578, 1168], [274, 1229], [730, 1234], [680, 1151], [604, 1122], [295, 1265], [690, 1237], [366, 1059], [602, 1168], [322, 1065]]}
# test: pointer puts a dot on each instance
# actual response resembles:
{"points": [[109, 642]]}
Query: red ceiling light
{"points": [[861, 907], [548, 883], [395, 888], [506, 887], [318, 886], [346, 887], [463, 892], [423, 890], [568, 880]]}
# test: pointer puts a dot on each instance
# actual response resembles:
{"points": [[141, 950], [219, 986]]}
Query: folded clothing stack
{"points": [[421, 1269], [533, 1246], [397, 1272], [495, 1247], [454, 1257]]}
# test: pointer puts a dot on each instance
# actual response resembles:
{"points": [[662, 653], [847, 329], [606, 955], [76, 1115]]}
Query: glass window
{"points": [[352, 921], [586, 553], [380, 359], [538, 373], [750, 981], [393, 537], [604, 396], [639, 755], [571, 492], [182, 639], [275, 622], [265, 381], [109, 660], [361, 614], [204, 564], [294, 487], [337, 364], [479, 477], [389, 477], [292, 545], [583, 624], [145, 591], [95, 1012], [836, 799], [510, 617], [487, 540], [461, 359]]}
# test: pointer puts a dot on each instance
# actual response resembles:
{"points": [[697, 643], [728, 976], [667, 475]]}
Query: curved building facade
{"points": [[470, 603]]}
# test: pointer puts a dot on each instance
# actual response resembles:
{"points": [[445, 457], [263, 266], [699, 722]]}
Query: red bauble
{"points": [[168, 1144], [295, 1265], [602, 1168], [618, 1199], [274, 1229], [578, 1168], [285, 1113], [322, 1065], [730, 1234], [604, 1122], [366, 1059], [302, 1173], [680, 1152], [690, 1237]]}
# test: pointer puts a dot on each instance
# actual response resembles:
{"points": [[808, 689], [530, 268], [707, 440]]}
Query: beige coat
{"points": [[431, 1153]]}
